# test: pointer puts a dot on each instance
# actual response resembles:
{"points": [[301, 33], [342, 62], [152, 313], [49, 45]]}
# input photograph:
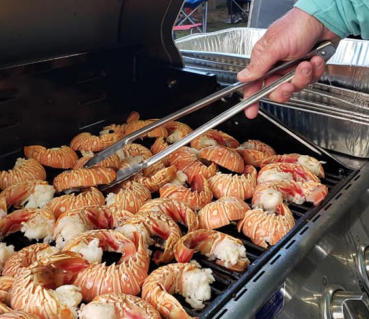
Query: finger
{"points": [[282, 93], [252, 111], [318, 67], [303, 75], [263, 57]]}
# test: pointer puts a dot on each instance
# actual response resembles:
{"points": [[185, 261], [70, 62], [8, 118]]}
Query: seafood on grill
{"points": [[133, 126], [228, 251], [23, 170], [6, 283], [222, 212], [177, 210], [186, 160], [186, 279], [271, 194], [266, 227], [7, 313], [309, 162], [26, 257], [285, 171], [125, 276], [77, 221], [157, 179], [84, 177], [223, 156], [130, 196], [133, 153], [57, 157], [35, 223], [160, 145], [240, 186], [195, 197], [112, 161], [95, 143], [45, 288], [255, 151], [176, 131], [213, 138], [28, 194], [6, 251], [133, 116], [154, 225], [116, 306], [89, 197]]}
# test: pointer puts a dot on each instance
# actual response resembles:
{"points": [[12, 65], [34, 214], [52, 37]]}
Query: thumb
{"points": [[263, 57]]}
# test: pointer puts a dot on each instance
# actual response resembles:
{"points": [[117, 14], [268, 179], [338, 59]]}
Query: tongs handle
{"points": [[325, 50]]}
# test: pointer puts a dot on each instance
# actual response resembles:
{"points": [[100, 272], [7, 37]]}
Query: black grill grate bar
{"points": [[297, 215], [218, 270], [334, 176], [251, 256]]}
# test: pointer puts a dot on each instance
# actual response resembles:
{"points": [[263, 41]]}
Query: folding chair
{"points": [[186, 20], [235, 5]]}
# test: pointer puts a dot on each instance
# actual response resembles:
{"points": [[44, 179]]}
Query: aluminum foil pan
{"points": [[348, 68], [328, 130]]}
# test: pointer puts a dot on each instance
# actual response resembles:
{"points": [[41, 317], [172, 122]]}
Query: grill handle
{"points": [[325, 50]]}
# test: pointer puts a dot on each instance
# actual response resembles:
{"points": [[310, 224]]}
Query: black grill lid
{"points": [[38, 30]]}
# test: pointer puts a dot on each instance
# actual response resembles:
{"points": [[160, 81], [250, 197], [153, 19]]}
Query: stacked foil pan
{"points": [[334, 114]]}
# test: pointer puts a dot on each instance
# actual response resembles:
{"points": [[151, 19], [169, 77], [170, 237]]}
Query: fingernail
{"points": [[306, 71]]}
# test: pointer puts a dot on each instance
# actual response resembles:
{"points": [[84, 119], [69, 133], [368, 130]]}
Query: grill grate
{"points": [[78, 107]]}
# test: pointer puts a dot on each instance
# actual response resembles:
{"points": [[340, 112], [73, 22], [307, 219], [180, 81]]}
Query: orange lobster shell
{"points": [[212, 138], [177, 210], [89, 197], [112, 161], [16, 194], [205, 241], [158, 179], [23, 170], [32, 290], [25, 257], [161, 284], [84, 177], [127, 306], [221, 212], [186, 160], [126, 276], [131, 197], [265, 228], [195, 197], [87, 142], [255, 151], [224, 157], [60, 157], [16, 314], [240, 186]]}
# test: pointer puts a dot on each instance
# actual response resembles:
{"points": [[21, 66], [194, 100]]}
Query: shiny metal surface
{"points": [[362, 261], [349, 305], [323, 253], [348, 68], [347, 134], [125, 173], [45, 30], [325, 50]]}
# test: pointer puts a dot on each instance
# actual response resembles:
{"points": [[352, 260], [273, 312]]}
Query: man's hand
{"points": [[290, 37]]}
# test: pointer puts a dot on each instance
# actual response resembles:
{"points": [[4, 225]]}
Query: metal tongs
{"points": [[325, 50]]}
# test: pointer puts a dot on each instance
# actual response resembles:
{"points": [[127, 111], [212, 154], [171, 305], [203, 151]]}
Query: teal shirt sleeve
{"points": [[343, 17]]}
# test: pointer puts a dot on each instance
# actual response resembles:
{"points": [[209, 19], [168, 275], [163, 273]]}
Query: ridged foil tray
{"points": [[333, 114], [348, 68]]}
